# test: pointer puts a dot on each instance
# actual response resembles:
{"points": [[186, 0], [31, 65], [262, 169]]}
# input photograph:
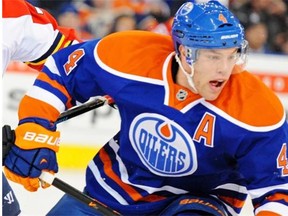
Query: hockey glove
{"points": [[8, 139], [33, 152]]}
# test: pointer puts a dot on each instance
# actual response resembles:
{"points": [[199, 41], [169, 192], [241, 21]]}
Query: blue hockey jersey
{"points": [[171, 140]]}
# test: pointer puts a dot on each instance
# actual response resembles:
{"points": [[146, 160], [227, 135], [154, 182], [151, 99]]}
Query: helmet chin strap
{"points": [[188, 76]]}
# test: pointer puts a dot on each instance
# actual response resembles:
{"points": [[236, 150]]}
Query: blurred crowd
{"points": [[265, 21]]}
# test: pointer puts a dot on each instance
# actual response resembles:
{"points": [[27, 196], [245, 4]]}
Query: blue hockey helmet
{"points": [[206, 26]]}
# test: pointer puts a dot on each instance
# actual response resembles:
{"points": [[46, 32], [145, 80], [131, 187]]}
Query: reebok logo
{"points": [[9, 197]]}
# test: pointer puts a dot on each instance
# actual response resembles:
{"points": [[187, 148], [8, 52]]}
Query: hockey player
{"points": [[30, 34], [198, 132]]}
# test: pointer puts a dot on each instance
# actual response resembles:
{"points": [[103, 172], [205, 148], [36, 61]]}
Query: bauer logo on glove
{"points": [[41, 138], [31, 136]]}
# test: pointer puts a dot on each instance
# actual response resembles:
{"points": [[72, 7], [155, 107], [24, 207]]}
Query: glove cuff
{"points": [[30, 184], [32, 136]]}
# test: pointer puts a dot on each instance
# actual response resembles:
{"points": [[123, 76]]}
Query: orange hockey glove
{"points": [[33, 152]]}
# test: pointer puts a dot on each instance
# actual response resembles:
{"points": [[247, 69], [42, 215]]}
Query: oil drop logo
{"points": [[163, 146]]}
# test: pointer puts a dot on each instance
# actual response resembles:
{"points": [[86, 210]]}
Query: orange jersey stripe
{"points": [[109, 172], [267, 213], [233, 201], [277, 197], [28, 105], [45, 78]]}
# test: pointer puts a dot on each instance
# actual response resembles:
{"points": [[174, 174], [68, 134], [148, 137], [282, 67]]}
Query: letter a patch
{"points": [[205, 130]]}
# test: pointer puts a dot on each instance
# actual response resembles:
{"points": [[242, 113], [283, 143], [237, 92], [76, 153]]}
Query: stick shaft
{"points": [[90, 105], [84, 198], [63, 186]]}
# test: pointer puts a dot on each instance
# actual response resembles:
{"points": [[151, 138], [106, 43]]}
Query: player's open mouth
{"points": [[216, 83]]}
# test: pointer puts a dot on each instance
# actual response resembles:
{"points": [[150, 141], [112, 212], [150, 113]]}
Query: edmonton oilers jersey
{"points": [[171, 141]]}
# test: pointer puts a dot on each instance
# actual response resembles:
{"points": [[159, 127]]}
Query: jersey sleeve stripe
{"points": [[58, 87], [46, 97], [111, 174], [278, 196], [265, 213], [30, 104], [96, 173], [257, 193], [59, 43], [232, 201], [54, 47], [272, 208]]}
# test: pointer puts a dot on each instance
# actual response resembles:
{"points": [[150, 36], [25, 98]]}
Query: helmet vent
{"points": [[201, 39], [224, 25], [179, 33]]}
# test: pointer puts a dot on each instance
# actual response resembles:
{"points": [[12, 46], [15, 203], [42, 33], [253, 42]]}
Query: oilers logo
{"points": [[163, 146], [186, 8]]}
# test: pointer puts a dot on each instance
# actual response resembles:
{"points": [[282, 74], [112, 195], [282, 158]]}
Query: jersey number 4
{"points": [[282, 160], [73, 58]]}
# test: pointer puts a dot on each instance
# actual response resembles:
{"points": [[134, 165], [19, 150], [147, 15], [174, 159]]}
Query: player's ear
{"points": [[181, 50]]}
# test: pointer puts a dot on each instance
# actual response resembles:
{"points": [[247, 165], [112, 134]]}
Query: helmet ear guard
{"points": [[243, 51]]}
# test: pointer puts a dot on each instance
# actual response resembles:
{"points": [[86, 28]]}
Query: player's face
{"points": [[212, 70]]}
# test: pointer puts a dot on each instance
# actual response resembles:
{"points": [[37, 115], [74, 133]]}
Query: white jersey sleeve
{"points": [[31, 34]]}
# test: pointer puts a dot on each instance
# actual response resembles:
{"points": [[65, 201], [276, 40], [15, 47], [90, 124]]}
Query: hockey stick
{"points": [[85, 107], [8, 141], [68, 189], [63, 186]]}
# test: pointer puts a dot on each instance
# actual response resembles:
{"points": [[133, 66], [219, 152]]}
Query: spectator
{"points": [[50, 5], [252, 11], [277, 22], [281, 43], [68, 16], [157, 18], [257, 35], [164, 27], [271, 12], [98, 16], [124, 22]]}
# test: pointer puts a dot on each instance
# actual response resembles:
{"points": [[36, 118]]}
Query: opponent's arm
{"points": [[31, 34]]}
